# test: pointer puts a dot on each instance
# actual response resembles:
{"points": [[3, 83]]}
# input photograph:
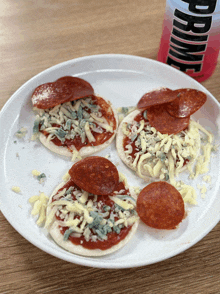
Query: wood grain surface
{"points": [[35, 35]]}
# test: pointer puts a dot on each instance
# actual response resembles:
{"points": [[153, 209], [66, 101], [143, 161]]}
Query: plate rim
{"points": [[87, 261]]}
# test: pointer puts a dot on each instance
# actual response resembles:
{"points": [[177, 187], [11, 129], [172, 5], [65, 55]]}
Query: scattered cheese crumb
{"points": [[204, 160], [21, 133], [39, 207], [40, 176], [207, 179], [34, 137], [124, 111], [35, 172], [188, 193], [203, 190], [16, 189]]}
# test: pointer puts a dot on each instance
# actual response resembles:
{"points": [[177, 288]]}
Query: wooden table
{"points": [[36, 35]]}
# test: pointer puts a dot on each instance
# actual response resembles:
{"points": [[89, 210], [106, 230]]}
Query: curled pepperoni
{"points": [[188, 101], [160, 96], [95, 174], [164, 123], [63, 90], [160, 206]]}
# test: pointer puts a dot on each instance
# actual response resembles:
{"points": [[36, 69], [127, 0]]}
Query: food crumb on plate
{"points": [[39, 203], [39, 176], [207, 178], [16, 189], [202, 189], [21, 132]]}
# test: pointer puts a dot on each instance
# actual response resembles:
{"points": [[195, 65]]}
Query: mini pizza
{"points": [[156, 144], [160, 206], [71, 120], [89, 224]]}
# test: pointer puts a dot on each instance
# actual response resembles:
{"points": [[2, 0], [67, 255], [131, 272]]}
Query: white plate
{"points": [[122, 79]]}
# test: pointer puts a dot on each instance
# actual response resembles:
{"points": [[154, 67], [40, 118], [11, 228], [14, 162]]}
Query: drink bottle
{"points": [[190, 40]]}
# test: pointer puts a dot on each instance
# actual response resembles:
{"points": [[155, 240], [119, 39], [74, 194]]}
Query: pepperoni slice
{"points": [[95, 174], [188, 101], [160, 206], [160, 96], [63, 90], [74, 87], [45, 96], [163, 122]]}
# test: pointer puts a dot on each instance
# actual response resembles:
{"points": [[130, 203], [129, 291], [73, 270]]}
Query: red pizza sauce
{"points": [[113, 237], [100, 138]]}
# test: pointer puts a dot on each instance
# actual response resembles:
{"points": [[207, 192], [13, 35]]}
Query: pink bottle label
{"points": [[191, 37]]}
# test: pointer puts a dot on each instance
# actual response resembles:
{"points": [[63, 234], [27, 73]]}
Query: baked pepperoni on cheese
{"points": [[76, 127], [89, 224]]}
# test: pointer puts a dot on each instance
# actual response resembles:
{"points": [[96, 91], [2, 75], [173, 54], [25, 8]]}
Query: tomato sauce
{"points": [[113, 237]]}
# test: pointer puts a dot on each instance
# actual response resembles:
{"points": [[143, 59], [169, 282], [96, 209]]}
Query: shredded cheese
{"points": [[85, 215], [16, 189], [81, 118], [39, 203]]}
